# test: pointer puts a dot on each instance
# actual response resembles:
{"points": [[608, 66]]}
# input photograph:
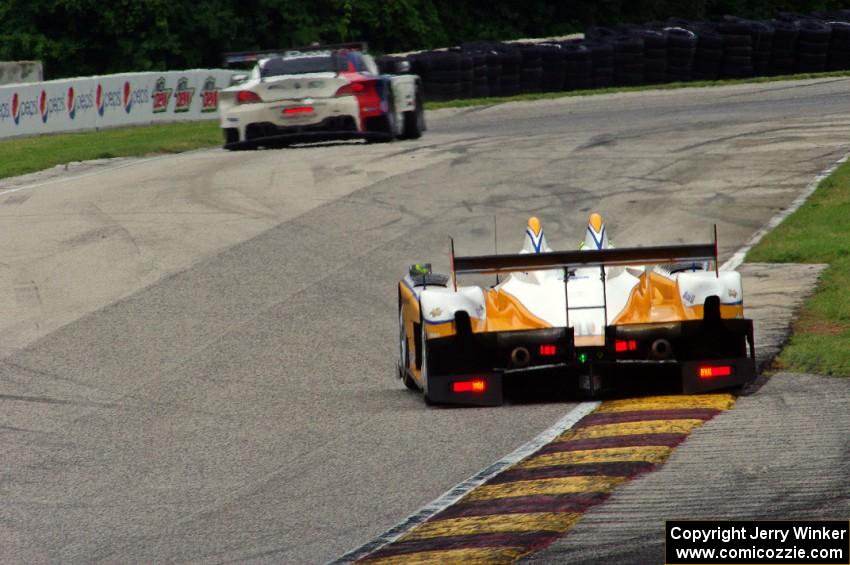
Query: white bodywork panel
{"points": [[317, 90]]}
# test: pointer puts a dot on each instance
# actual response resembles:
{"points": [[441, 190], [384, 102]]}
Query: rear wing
{"points": [[657, 255], [236, 57]]}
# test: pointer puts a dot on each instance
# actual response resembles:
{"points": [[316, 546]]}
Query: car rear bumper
{"points": [[604, 378]]}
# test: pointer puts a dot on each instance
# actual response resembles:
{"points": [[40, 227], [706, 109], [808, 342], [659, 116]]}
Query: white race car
{"points": [[318, 93], [591, 321]]}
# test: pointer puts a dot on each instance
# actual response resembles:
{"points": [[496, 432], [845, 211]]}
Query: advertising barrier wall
{"points": [[107, 101]]}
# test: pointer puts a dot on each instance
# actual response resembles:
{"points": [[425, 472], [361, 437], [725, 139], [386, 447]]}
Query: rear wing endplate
{"points": [[236, 57]]}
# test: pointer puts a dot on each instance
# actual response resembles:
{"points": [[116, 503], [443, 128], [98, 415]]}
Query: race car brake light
{"points": [[298, 110], [477, 385], [709, 372], [351, 89], [621, 345], [247, 97], [547, 350]]}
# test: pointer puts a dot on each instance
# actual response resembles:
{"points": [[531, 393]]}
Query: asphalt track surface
{"points": [[199, 349]]}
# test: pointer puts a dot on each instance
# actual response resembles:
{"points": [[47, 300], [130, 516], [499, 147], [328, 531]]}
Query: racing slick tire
{"points": [[423, 368], [414, 121], [404, 356], [386, 125], [231, 140]]}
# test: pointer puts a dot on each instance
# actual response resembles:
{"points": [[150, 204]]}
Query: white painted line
{"points": [[456, 493], [739, 255]]}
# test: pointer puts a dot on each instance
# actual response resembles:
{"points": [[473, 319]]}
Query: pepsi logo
{"points": [[42, 106], [16, 108], [128, 97], [98, 99], [72, 103]]}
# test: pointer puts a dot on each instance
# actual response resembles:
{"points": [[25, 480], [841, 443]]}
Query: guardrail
{"points": [[112, 100]]}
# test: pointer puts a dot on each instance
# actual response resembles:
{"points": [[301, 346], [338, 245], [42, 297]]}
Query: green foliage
{"points": [[81, 37]]}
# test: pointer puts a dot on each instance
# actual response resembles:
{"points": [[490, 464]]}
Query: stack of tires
{"points": [[839, 46], [554, 67], [813, 39], [602, 61], [578, 65], [441, 72], [762, 36], [783, 55], [681, 49], [388, 64], [494, 72], [655, 60], [737, 48], [708, 57], [673, 51], [531, 71], [480, 72], [628, 53]]}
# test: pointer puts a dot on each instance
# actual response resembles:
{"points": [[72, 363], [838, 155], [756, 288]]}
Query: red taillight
{"points": [[547, 350], [298, 110], [247, 97], [478, 385], [709, 372], [622, 345], [351, 89]]}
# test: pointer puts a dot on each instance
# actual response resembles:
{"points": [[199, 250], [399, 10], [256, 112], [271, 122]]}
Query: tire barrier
{"points": [[675, 50]]}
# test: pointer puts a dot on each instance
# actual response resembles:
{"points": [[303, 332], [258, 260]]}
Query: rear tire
{"points": [[414, 121], [423, 370], [404, 356], [387, 125]]}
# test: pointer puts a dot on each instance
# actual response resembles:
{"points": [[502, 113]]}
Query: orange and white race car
{"points": [[594, 321], [318, 93]]}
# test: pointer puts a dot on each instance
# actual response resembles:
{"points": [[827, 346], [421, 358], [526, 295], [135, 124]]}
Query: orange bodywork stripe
{"points": [[505, 312], [657, 300]]}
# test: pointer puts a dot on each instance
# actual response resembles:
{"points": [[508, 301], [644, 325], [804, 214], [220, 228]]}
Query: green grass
{"points": [[819, 232], [28, 154]]}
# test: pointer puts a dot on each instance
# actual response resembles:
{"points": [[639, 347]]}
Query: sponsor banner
{"points": [[108, 101]]}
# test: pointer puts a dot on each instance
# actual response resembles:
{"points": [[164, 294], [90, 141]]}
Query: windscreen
{"points": [[299, 65]]}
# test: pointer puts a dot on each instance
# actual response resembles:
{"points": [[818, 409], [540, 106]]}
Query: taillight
{"points": [[477, 385], [709, 372], [247, 97], [548, 349], [298, 110], [622, 345], [351, 89]]}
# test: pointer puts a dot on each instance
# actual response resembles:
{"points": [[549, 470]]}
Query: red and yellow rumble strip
{"points": [[541, 498]]}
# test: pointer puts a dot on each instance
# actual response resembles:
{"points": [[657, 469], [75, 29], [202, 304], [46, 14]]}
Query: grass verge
{"points": [[25, 155], [666, 86], [819, 232], [28, 154]]}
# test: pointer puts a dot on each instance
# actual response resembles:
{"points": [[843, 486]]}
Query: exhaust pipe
{"points": [[661, 349], [520, 357]]}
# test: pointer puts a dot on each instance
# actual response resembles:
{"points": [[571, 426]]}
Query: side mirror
{"points": [[238, 79], [402, 67], [419, 270]]}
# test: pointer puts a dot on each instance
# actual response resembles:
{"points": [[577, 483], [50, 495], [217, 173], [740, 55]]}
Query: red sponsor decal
{"points": [[160, 100], [209, 101]]}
